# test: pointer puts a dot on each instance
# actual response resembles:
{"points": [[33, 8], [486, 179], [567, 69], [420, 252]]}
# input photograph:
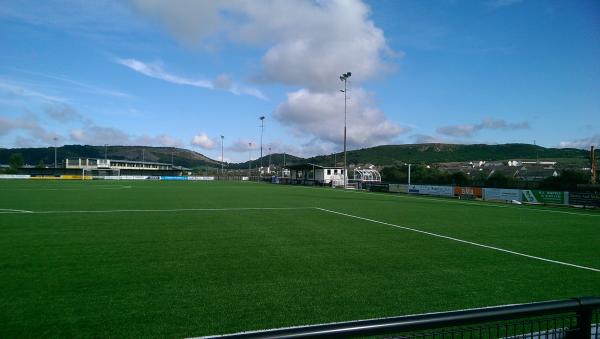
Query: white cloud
{"points": [[29, 124], [158, 140], [243, 145], [202, 140], [77, 134], [99, 135], [468, 130], [189, 21], [19, 91], [321, 115], [77, 85], [428, 139], [156, 70], [223, 81], [62, 113], [583, 143], [309, 43]]}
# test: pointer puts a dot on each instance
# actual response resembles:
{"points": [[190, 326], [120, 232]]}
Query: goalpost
{"points": [[89, 174]]}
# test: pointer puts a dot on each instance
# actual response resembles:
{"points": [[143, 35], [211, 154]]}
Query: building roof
{"points": [[139, 162], [123, 161], [309, 166]]}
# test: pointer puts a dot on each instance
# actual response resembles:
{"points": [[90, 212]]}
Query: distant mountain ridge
{"points": [[437, 152], [180, 156], [379, 155]]}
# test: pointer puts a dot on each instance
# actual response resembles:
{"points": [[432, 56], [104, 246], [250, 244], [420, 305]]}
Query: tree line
{"points": [[567, 179]]}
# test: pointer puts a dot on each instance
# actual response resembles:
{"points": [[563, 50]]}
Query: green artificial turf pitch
{"points": [[181, 259]]}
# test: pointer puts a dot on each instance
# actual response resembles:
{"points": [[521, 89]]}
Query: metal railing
{"points": [[572, 318]]}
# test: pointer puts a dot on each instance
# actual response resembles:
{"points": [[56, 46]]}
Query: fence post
{"points": [[584, 319]]}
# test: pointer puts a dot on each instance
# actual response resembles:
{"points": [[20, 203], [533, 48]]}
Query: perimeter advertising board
{"points": [[584, 198], [473, 191], [14, 176], [126, 177], [201, 178], [446, 191], [545, 197], [173, 178], [501, 194], [398, 188]]}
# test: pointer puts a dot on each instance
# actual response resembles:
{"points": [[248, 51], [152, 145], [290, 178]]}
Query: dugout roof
{"points": [[309, 166]]}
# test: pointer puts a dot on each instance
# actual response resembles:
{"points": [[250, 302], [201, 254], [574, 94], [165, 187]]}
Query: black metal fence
{"points": [[572, 318]]}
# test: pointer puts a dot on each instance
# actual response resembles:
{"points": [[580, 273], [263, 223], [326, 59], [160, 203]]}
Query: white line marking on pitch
{"points": [[6, 210], [163, 210], [460, 240]]}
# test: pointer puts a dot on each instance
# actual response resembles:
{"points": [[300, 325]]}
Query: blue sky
{"points": [[183, 73]]}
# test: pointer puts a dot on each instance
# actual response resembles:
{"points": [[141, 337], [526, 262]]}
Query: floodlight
{"points": [[344, 77]]}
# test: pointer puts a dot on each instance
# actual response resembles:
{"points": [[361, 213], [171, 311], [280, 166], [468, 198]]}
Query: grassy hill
{"points": [[277, 159], [435, 153], [380, 155]]}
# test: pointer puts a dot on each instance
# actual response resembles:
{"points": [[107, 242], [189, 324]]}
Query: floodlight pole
{"points": [[249, 160], [55, 157], [105, 151], [409, 174], [222, 163], [262, 128], [344, 77]]}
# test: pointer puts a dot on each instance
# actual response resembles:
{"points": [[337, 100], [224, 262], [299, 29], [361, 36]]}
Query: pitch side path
{"points": [[184, 259]]}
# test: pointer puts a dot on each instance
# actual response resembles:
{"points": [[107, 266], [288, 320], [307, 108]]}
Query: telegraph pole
{"points": [[262, 128], [55, 157], [249, 159], [593, 158], [222, 161]]}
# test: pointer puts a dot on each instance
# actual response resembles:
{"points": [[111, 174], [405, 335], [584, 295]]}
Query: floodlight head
{"points": [[262, 118], [345, 76]]}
